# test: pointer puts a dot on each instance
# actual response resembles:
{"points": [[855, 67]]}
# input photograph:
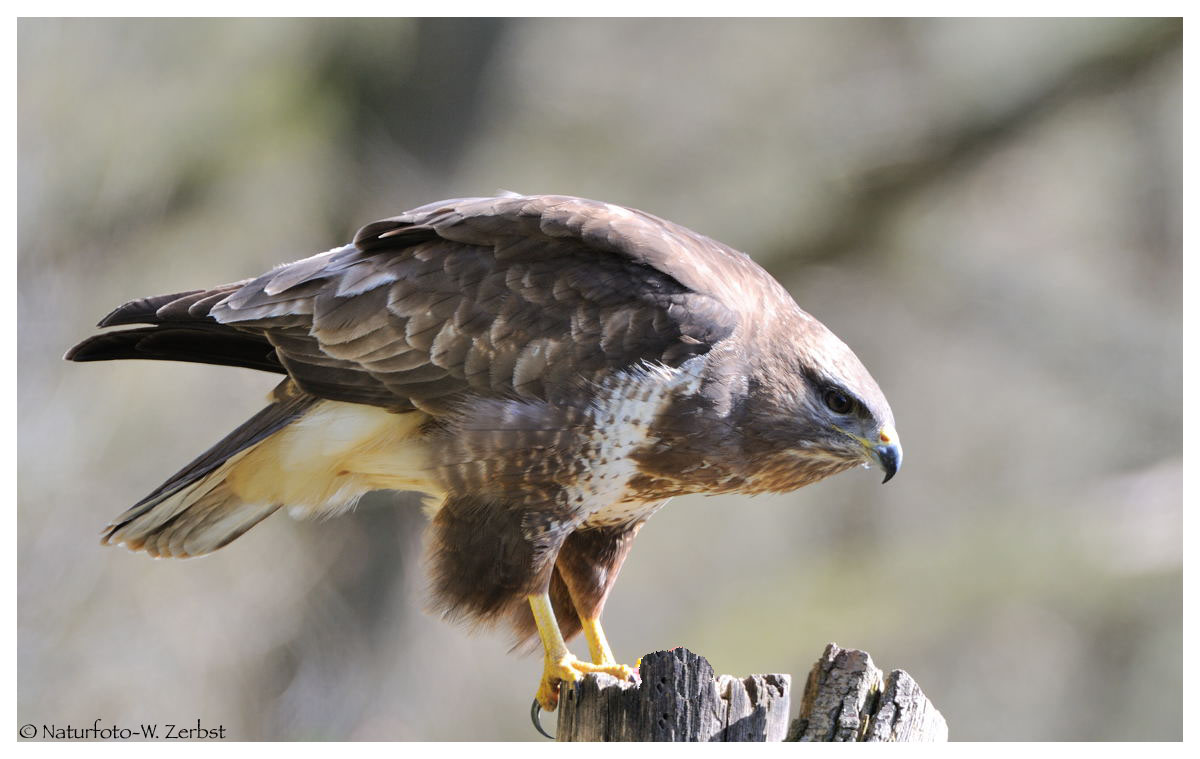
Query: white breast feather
{"points": [[622, 418]]}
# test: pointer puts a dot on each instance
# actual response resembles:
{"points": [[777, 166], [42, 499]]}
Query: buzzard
{"points": [[548, 371]]}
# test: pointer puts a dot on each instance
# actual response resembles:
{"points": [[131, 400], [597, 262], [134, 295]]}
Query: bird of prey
{"points": [[548, 371]]}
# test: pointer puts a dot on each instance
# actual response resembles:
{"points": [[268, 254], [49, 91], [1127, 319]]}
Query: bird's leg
{"points": [[597, 643], [561, 666], [558, 658], [588, 564]]}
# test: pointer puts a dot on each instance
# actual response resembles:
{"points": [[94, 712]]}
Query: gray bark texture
{"points": [[680, 698]]}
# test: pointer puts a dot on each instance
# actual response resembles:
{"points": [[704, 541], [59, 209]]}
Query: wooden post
{"points": [[847, 698], [679, 698]]}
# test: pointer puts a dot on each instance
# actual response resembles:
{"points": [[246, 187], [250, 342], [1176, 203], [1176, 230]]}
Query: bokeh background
{"points": [[988, 211]]}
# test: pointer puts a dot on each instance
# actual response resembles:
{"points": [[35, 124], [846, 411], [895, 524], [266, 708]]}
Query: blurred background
{"points": [[987, 211]]}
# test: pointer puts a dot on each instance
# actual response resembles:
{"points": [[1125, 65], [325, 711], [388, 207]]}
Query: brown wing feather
{"points": [[510, 296], [167, 343], [500, 296]]}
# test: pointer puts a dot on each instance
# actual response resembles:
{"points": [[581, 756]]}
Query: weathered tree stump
{"points": [[680, 698], [847, 698]]}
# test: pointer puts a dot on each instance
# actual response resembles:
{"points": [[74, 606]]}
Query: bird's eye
{"points": [[838, 402]]}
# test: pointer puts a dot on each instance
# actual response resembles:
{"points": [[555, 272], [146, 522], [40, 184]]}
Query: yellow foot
{"points": [[568, 669]]}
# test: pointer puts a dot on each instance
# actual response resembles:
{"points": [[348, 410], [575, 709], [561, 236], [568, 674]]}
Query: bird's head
{"points": [[828, 412]]}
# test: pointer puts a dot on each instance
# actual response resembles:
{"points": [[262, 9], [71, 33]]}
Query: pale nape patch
{"points": [[320, 465]]}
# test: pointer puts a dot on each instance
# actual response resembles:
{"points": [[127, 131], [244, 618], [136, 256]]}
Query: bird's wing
{"points": [[509, 296]]}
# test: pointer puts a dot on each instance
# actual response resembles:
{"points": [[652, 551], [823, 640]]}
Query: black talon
{"points": [[534, 713]]}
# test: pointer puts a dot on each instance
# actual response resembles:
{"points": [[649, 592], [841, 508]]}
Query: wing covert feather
{"points": [[524, 296]]}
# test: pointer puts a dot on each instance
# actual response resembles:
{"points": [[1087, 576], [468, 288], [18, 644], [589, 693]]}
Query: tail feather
{"points": [[195, 512], [196, 520], [210, 523], [215, 522]]}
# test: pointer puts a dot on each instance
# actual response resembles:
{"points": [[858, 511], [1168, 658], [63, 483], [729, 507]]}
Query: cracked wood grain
{"points": [[679, 698], [847, 698]]}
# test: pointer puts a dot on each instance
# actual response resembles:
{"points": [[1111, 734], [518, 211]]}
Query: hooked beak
{"points": [[888, 453]]}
